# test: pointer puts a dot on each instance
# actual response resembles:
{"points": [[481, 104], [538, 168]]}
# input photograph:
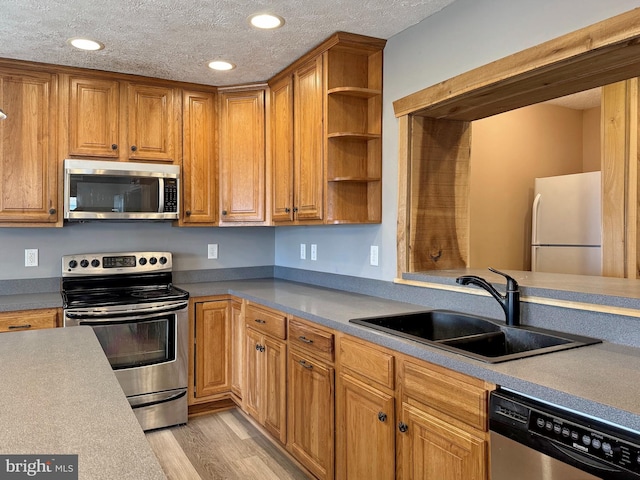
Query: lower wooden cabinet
{"points": [[432, 449], [365, 423], [265, 382], [29, 319], [212, 355], [311, 413]]}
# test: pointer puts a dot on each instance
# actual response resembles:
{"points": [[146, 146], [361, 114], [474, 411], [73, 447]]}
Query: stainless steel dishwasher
{"points": [[533, 440]]}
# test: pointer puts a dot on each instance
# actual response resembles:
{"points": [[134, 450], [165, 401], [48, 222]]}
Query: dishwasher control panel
{"points": [[597, 446], [587, 439]]}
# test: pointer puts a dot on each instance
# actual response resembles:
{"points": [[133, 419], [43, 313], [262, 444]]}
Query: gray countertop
{"points": [[600, 380], [60, 396]]}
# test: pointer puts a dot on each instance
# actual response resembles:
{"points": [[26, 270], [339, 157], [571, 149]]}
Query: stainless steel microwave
{"points": [[110, 190]]}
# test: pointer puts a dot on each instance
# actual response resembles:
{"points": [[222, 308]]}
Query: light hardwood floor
{"points": [[222, 445]]}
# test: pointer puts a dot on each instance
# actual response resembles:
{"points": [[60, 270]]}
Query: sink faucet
{"points": [[510, 302]]}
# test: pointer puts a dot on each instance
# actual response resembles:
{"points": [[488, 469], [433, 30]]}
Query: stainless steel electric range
{"points": [[141, 321]]}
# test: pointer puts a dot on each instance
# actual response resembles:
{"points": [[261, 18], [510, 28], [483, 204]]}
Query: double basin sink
{"points": [[473, 336]]}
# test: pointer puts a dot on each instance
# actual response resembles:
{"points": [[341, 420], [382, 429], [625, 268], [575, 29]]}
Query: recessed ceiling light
{"points": [[85, 44], [266, 21], [221, 65]]}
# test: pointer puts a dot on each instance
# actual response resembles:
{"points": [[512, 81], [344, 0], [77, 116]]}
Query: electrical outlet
{"points": [[314, 251], [303, 251], [31, 257], [373, 256], [212, 250]]}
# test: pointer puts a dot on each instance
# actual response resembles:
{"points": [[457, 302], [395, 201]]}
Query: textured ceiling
{"points": [[581, 100], [175, 39]]}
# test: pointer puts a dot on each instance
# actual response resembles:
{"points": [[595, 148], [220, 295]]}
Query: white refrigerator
{"points": [[567, 225]]}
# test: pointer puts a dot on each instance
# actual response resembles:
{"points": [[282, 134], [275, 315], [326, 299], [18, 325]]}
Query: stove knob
{"points": [[142, 261], [153, 260], [73, 264], [95, 263], [84, 263], [163, 260], [606, 448]]}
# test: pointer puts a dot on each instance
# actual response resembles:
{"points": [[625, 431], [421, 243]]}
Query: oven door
{"points": [[147, 348]]}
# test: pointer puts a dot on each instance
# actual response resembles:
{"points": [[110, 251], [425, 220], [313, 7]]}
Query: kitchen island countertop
{"points": [[60, 396]]}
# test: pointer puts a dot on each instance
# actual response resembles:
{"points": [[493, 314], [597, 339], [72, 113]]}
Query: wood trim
{"points": [[404, 204], [593, 56]]}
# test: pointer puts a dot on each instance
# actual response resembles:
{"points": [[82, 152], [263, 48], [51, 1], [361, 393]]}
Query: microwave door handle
{"points": [[161, 196]]}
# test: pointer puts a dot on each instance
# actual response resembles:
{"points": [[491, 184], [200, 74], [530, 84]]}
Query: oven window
{"points": [[138, 343]]}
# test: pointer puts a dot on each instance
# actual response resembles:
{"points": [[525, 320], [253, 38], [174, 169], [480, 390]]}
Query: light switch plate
{"points": [[303, 251], [373, 256], [314, 251], [212, 251]]}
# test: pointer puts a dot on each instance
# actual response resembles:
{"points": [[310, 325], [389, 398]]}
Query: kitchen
{"points": [[339, 248]]}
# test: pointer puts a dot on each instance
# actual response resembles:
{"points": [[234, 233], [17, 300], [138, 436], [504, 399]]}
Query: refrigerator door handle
{"points": [[534, 233], [534, 219]]}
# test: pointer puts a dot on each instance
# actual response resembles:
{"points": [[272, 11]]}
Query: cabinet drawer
{"points": [[447, 394], [28, 320], [266, 321], [367, 361], [317, 342]]}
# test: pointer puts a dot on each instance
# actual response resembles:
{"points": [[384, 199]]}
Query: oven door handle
{"points": [[107, 315]]}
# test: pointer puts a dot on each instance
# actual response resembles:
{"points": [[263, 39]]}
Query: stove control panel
{"points": [[86, 264]]}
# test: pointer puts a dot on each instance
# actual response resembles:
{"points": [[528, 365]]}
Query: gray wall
{"points": [[237, 247], [465, 35]]}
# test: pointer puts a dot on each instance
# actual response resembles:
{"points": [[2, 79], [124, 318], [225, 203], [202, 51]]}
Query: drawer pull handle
{"points": [[382, 416], [16, 327], [403, 427], [259, 320], [305, 364], [304, 339]]}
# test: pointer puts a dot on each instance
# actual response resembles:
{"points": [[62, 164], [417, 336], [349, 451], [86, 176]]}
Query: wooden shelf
{"points": [[355, 135], [355, 92]]}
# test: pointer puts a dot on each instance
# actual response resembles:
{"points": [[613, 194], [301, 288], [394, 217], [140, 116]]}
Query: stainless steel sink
{"points": [[473, 336]]}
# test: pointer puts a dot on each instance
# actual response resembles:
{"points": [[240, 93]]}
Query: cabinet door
{"points": [[151, 125], [308, 143], [28, 159], [275, 388], [242, 156], [434, 450], [365, 423], [199, 173], [94, 121], [213, 366], [237, 349], [311, 422], [282, 149], [253, 373]]}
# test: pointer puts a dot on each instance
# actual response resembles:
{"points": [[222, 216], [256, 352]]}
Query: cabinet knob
{"points": [[257, 346], [114, 146], [133, 148], [262, 348], [403, 427], [224, 212], [382, 416], [295, 209], [52, 211], [304, 339], [188, 213], [287, 210], [260, 321]]}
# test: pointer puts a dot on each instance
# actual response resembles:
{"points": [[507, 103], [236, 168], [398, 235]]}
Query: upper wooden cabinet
{"points": [[110, 118], [94, 120], [326, 130], [28, 165], [242, 156], [297, 145], [199, 160]]}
